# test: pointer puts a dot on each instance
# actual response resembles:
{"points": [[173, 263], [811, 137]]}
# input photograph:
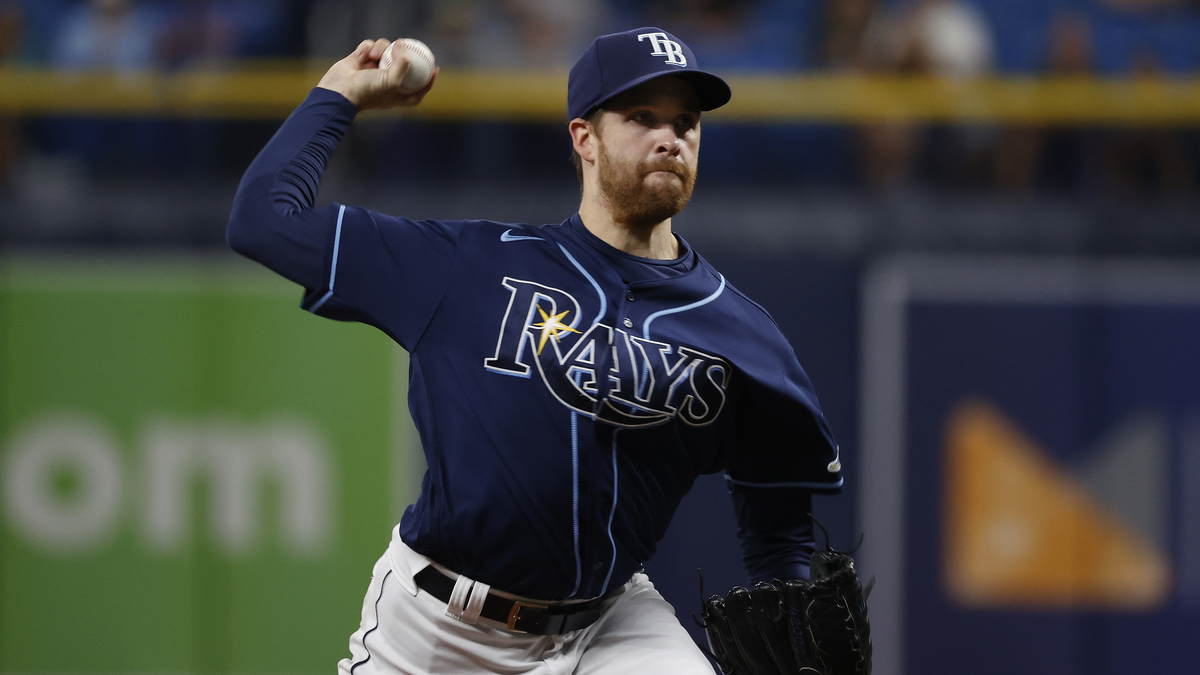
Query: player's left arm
{"points": [[774, 530], [785, 451], [803, 612]]}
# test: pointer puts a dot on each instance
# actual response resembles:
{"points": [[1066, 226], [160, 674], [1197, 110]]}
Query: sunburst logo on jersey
{"points": [[551, 327]]}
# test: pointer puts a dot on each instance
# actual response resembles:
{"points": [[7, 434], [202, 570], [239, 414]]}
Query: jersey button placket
{"points": [[628, 323]]}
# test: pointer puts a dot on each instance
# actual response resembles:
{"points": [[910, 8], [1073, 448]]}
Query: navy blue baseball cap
{"points": [[621, 61]]}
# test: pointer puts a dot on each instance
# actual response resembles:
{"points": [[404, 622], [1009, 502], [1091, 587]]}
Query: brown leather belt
{"points": [[519, 616]]}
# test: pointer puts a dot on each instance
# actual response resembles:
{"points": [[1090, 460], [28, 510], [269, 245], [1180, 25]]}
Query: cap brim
{"points": [[710, 89]]}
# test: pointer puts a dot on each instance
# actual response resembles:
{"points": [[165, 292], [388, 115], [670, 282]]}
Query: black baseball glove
{"points": [[816, 627]]}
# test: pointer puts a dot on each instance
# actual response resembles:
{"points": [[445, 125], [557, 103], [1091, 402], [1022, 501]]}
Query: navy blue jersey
{"points": [[567, 394]]}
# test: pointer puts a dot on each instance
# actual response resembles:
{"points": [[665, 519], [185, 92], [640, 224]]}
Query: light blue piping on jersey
{"points": [[673, 310], [337, 242], [575, 497], [799, 484], [612, 513], [575, 438], [676, 310], [603, 299]]}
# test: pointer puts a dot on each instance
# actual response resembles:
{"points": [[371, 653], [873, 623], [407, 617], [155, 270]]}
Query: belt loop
{"points": [[459, 598], [479, 593]]}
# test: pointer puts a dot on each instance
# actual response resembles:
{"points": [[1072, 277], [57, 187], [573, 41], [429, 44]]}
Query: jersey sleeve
{"points": [[782, 439], [784, 452], [354, 264]]}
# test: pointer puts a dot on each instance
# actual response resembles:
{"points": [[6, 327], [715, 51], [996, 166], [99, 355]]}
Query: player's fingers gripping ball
{"points": [[420, 63]]}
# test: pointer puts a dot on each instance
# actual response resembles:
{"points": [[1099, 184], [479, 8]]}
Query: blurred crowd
{"points": [[953, 38]]}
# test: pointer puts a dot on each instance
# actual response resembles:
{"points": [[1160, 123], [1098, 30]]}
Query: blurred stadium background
{"points": [[976, 220]]}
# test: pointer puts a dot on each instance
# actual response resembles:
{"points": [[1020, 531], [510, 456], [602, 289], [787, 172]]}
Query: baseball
{"points": [[420, 61]]}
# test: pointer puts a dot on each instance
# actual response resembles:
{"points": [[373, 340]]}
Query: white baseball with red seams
{"points": [[420, 60]]}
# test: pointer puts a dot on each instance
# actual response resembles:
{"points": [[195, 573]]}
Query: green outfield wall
{"points": [[197, 476]]}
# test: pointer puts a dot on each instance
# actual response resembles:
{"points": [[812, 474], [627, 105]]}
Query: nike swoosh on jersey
{"points": [[509, 236]]}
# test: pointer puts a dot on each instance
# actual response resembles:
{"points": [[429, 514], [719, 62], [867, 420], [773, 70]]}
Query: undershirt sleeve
{"points": [[775, 531], [354, 264]]}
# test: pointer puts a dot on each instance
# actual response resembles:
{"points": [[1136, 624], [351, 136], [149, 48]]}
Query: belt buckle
{"points": [[514, 614]]}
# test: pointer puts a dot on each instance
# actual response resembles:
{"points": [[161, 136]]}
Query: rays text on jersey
{"points": [[604, 372]]}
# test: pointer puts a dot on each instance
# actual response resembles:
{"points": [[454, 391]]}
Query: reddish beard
{"points": [[636, 202]]}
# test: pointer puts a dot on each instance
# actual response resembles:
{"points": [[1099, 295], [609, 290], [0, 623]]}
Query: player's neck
{"points": [[654, 241]]}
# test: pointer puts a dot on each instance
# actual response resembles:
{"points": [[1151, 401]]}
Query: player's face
{"points": [[649, 144]]}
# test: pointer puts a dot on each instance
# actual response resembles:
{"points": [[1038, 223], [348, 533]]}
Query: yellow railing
{"points": [[271, 92]]}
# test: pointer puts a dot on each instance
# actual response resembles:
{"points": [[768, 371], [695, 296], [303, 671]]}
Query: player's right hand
{"points": [[359, 78]]}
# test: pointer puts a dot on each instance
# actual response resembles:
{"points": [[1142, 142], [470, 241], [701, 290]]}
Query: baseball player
{"points": [[569, 382]]}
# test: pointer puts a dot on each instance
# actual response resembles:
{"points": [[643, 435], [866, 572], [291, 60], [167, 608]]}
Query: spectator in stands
{"points": [[507, 33], [336, 26], [107, 35], [719, 24], [127, 35], [735, 34], [719, 29], [523, 35], [11, 22], [116, 36], [1147, 160], [11, 29], [1059, 158], [887, 149], [946, 38], [1129, 161], [196, 32], [845, 24]]}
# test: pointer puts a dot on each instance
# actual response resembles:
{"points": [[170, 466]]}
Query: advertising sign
{"points": [[196, 475], [1031, 490]]}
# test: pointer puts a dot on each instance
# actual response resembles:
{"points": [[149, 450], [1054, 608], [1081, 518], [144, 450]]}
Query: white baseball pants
{"points": [[406, 631]]}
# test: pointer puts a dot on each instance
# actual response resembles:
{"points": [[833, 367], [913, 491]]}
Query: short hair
{"points": [[575, 158]]}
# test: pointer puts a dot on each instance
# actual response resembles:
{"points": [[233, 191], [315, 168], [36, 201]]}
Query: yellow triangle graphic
{"points": [[1019, 533]]}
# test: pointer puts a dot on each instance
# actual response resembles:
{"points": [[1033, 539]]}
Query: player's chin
{"points": [[658, 205], [673, 191], [663, 182], [664, 178]]}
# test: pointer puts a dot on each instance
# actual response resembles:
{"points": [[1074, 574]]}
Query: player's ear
{"points": [[584, 138]]}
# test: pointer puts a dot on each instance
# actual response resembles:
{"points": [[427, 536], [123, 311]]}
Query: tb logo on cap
{"points": [[664, 46]]}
